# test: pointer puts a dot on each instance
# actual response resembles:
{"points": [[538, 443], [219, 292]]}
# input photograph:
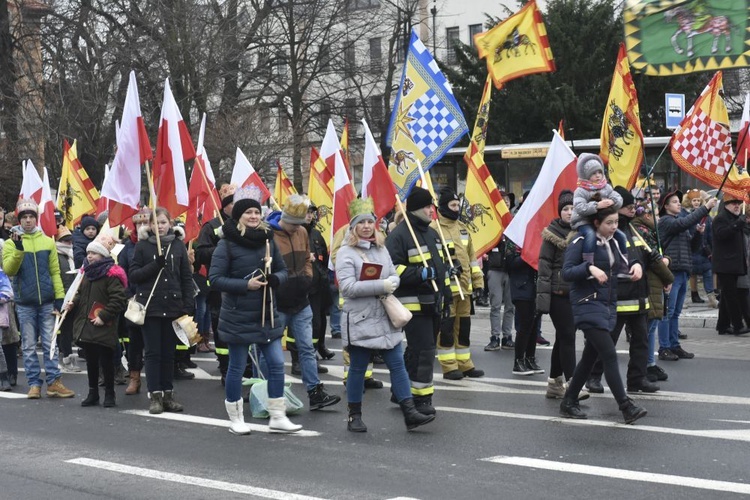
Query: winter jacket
{"points": [[319, 249], [522, 276], [235, 258], [701, 248], [594, 305], [109, 293], [729, 243], [295, 250], [173, 295], [674, 233], [416, 294], [584, 203], [364, 322], [125, 258], [461, 249], [496, 257], [656, 283], [35, 269], [66, 264], [80, 242], [208, 239], [551, 256]]}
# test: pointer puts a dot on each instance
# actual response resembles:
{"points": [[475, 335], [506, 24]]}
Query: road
{"points": [[496, 437]]}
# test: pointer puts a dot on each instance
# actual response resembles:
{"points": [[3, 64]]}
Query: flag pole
{"points": [[152, 192], [213, 200], [734, 162], [414, 237], [273, 202]]}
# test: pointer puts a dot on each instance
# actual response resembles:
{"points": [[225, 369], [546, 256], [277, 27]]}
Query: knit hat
{"points": [[361, 209], [102, 244], [26, 206], [588, 164], [143, 216], [295, 209], [226, 193], [63, 233], [663, 200], [418, 198], [244, 199], [627, 196], [87, 221], [564, 199]]}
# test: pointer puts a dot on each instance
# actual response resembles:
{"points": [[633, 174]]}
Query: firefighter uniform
{"points": [[453, 343], [417, 294]]}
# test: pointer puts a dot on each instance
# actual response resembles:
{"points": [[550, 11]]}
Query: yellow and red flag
{"points": [[320, 191], [517, 46], [621, 136], [284, 187], [484, 210], [345, 148], [702, 145], [77, 195], [561, 129]]}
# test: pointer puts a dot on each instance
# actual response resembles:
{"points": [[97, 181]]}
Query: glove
{"points": [[161, 261], [58, 304], [273, 281], [477, 294], [19, 244], [428, 273], [456, 270], [389, 286]]}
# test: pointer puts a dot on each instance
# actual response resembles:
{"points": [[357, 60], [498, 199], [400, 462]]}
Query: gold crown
{"points": [[361, 206], [296, 206]]}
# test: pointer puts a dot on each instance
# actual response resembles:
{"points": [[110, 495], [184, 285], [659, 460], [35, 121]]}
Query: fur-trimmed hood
{"points": [[119, 273], [144, 233], [557, 234]]}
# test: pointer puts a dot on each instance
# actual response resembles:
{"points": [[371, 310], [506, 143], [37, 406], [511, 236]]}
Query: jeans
{"points": [[160, 341], [498, 284], [300, 327], [335, 311], [37, 322], [202, 315], [359, 358], [669, 326], [274, 361], [708, 280], [653, 324]]}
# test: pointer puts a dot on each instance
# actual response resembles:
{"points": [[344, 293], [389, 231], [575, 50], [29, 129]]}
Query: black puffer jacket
{"points": [[173, 295], [522, 276], [729, 243], [551, 257], [675, 235]]}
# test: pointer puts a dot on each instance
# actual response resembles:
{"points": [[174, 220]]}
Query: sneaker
{"points": [[494, 344], [584, 394], [35, 392], [319, 398], [531, 363], [667, 355], [69, 364], [453, 375], [682, 336], [658, 374], [682, 353], [520, 368], [542, 341], [474, 373], [57, 390], [507, 344]]}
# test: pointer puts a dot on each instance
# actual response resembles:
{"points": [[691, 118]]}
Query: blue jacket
{"points": [[234, 259], [80, 242], [35, 268], [594, 305]]}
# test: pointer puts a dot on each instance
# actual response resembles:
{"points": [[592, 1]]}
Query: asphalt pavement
{"points": [[495, 437]]}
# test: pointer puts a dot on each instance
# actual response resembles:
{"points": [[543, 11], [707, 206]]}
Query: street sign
{"points": [[674, 105]]}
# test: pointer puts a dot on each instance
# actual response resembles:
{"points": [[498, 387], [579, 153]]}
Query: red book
{"points": [[370, 271], [94, 311]]}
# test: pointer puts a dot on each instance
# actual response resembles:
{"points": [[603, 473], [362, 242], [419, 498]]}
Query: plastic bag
{"points": [[259, 400]]}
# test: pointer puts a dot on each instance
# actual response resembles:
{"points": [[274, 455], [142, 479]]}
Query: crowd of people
{"points": [[613, 259]]}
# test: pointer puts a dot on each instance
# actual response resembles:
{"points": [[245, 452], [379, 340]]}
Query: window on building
{"points": [[265, 119], [350, 56], [474, 29], [325, 114], [324, 57], [376, 111], [350, 109], [362, 4], [279, 66], [451, 38], [376, 55], [283, 120], [400, 49]]}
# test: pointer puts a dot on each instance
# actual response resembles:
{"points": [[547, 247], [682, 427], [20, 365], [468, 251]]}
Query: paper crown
{"points": [[143, 216], [361, 206], [227, 190], [296, 207], [62, 232], [186, 330], [251, 192], [26, 205]]}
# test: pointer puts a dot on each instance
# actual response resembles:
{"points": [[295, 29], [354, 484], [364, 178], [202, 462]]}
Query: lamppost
{"points": [[433, 11]]}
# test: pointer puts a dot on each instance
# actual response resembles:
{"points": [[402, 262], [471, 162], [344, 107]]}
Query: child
{"points": [[82, 236], [593, 194], [96, 307], [6, 296]]}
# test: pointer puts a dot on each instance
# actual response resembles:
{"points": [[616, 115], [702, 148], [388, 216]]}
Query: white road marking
{"points": [[611, 473], [726, 434], [189, 480], [201, 374], [216, 422], [12, 395]]}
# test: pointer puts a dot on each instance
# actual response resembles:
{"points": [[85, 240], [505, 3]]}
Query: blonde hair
{"points": [[263, 226], [352, 239]]}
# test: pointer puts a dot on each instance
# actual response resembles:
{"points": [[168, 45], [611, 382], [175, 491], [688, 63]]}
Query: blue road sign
{"points": [[674, 105]]}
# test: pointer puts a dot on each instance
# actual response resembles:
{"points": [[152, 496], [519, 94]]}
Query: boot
{"points": [[93, 398], [423, 405], [555, 388], [120, 375], [180, 373], [713, 301], [569, 409], [631, 412], [594, 384], [412, 417], [170, 404], [5, 382], [134, 387], [109, 398], [354, 423], [696, 298], [279, 421], [319, 398], [156, 406], [237, 423]]}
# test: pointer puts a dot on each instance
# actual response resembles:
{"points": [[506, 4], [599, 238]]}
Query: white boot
{"points": [[279, 422], [555, 388], [237, 418]]}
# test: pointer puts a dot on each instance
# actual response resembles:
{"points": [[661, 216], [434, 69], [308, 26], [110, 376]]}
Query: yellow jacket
{"points": [[461, 249]]}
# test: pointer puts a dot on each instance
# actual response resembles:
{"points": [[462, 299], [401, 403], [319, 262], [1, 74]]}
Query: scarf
{"points": [[590, 186], [253, 238], [448, 214], [98, 270], [67, 252], [166, 239]]}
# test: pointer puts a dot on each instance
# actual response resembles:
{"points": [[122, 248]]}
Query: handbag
{"points": [[259, 395], [136, 312], [397, 313]]}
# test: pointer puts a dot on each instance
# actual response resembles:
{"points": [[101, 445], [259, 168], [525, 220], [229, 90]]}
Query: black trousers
{"points": [[320, 306], [65, 337], [160, 341], [97, 355], [730, 305], [564, 350], [638, 324], [134, 352], [598, 345], [526, 323], [419, 355]]}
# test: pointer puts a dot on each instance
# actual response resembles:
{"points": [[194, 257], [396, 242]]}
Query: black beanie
{"points": [[240, 206], [447, 195], [418, 198], [627, 196], [87, 221], [226, 201], [564, 199]]}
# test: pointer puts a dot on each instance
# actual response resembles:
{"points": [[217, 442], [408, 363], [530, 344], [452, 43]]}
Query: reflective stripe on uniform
{"points": [[400, 269], [632, 305], [420, 389], [446, 355], [182, 347], [222, 351], [463, 354]]}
